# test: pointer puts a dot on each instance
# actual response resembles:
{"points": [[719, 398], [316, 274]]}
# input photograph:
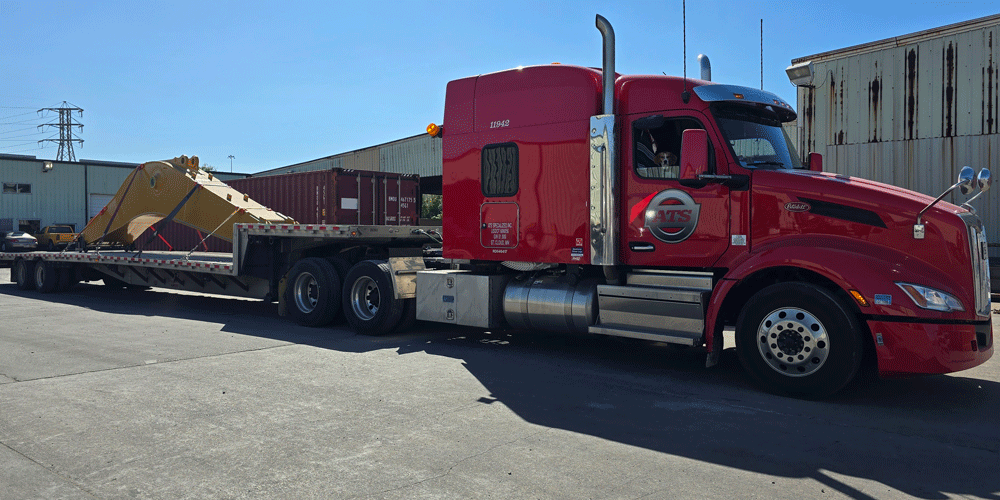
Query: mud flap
{"points": [[718, 338]]}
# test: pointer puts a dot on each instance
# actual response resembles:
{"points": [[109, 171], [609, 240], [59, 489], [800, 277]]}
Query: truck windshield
{"points": [[755, 136]]}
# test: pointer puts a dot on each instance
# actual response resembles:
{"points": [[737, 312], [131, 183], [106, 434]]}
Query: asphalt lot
{"points": [[165, 395]]}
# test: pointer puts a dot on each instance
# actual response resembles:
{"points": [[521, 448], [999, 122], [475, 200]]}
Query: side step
{"points": [[655, 305]]}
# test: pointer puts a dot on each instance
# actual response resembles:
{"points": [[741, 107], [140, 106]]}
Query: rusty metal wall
{"points": [[419, 155], [910, 111]]}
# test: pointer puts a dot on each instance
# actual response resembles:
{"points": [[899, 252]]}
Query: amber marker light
{"points": [[433, 130], [859, 298], [738, 96]]}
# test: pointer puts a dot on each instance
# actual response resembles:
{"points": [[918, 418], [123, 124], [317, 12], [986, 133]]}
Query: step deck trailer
{"points": [[262, 254]]}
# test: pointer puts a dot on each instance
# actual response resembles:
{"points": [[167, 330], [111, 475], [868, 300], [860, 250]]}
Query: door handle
{"points": [[641, 246]]}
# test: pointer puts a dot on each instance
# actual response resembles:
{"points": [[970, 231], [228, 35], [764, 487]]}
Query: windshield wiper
{"points": [[765, 162]]}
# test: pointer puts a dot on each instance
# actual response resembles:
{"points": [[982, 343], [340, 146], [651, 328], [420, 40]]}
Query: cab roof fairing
{"points": [[728, 93]]}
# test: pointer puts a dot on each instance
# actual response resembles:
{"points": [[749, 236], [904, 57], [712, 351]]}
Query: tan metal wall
{"points": [[910, 111], [419, 155], [362, 159]]}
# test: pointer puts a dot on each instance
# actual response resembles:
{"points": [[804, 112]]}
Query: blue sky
{"points": [[280, 83]]}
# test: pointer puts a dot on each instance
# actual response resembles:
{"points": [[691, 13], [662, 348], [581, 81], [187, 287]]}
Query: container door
{"points": [[664, 223]]}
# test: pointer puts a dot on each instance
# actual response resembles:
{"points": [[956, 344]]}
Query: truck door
{"points": [[664, 223]]}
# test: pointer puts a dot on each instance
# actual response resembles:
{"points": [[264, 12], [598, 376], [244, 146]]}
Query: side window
{"points": [[499, 170], [657, 150]]}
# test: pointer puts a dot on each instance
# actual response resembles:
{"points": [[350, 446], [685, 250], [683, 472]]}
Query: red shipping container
{"points": [[334, 196], [338, 196]]}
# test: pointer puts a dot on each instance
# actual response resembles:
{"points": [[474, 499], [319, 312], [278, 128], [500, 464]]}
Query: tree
{"points": [[432, 208], [208, 168]]}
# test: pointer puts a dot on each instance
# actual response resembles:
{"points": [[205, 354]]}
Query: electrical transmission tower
{"points": [[66, 135]]}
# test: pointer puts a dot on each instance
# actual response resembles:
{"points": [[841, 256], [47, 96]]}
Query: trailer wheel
{"points": [[799, 339], [313, 295], [46, 277], [24, 274], [370, 305]]}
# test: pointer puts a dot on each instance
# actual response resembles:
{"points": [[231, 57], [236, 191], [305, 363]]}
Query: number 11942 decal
{"points": [[500, 124]]}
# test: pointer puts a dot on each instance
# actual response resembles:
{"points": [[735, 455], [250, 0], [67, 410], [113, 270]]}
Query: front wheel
{"points": [[370, 304], [799, 339]]}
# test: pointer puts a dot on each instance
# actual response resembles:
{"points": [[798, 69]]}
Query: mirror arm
{"points": [[928, 207]]}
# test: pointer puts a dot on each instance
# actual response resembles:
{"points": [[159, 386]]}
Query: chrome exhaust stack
{"points": [[706, 67], [608, 68], [603, 167]]}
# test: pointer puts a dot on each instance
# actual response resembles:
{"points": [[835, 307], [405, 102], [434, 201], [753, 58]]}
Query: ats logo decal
{"points": [[797, 206], [672, 216]]}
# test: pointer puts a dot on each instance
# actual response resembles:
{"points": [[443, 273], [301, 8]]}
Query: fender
{"points": [[858, 265], [851, 265]]}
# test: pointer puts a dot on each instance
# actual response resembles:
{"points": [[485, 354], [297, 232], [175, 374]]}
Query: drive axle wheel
{"points": [[370, 305], [799, 339], [313, 293]]}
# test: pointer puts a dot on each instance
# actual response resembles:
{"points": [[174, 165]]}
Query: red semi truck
{"points": [[582, 201]]}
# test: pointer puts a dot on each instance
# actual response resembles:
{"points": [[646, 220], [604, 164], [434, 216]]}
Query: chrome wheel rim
{"points": [[39, 274], [365, 298], [306, 292], [793, 342]]}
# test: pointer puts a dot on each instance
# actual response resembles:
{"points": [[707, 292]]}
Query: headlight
{"points": [[929, 298]]}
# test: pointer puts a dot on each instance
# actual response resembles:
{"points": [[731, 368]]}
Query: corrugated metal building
{"points": [[37, 192], [910, 110], [420, 154]]}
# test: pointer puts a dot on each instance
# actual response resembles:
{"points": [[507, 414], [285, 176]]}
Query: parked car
{"points": [[18, 240], [55, 237]]}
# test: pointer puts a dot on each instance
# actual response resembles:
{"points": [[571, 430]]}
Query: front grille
{"points": [[980, 262]]}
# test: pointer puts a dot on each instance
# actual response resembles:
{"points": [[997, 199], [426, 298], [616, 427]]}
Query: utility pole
{"points": [[66, 135], [231, 163]]}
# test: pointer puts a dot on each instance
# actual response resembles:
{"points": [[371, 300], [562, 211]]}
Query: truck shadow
{"points": [[929, 437]]}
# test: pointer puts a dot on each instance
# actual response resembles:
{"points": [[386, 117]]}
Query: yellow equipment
{"points": [[175, 190]]}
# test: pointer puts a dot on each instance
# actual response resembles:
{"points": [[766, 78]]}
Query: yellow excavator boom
{"points": [[178, 190]]}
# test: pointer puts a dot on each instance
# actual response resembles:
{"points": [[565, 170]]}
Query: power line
{"points": [[65, 126], [15, 137]]}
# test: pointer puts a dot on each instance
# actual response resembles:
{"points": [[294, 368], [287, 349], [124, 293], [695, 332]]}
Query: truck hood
{"points": [[863, 217]]}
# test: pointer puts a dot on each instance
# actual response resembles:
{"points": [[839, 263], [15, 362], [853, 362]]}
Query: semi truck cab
{"points": [[667, 208]]}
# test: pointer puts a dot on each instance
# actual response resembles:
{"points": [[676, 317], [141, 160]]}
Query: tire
{"points": [[24, 274], [368, 299], [51, 246], [313, 292], [342, 266], [800, 340], [3, 247], [46, 277]]}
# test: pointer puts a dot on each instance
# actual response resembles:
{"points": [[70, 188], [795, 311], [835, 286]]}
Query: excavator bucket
{"points": [[175, 190]]}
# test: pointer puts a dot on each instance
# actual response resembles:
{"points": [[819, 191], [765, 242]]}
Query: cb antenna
{"points": [[685, 96], [762, 54]]}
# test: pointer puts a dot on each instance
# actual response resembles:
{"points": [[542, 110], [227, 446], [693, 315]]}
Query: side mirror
{"points": [[984, 180], [965, 179], [815, 162], [694, 153]]}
